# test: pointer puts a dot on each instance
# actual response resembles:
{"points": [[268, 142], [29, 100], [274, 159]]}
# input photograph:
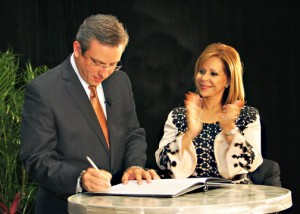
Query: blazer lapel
{"points": [[80, 98], [108, 89], [109, 110]]}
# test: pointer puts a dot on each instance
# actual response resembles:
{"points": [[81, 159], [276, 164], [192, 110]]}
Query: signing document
{"points": [[164, 187]]}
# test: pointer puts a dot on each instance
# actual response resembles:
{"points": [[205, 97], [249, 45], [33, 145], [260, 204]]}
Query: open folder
{"points": [[164, 187]]}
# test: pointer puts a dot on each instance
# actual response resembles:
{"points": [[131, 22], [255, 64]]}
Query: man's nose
{"points": [[105, 71]]}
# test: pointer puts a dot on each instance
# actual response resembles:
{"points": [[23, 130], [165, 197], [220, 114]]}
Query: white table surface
{"points": [[239, 198]]}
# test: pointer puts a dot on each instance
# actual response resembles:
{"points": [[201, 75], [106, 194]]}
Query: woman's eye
{"points": [[214, 73], [201, 71]]}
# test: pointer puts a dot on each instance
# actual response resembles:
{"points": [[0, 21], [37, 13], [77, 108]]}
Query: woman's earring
{"points": [[226, 86]]}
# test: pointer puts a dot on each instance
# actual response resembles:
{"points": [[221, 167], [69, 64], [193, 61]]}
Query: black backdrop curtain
{"points": [[166, 37]]}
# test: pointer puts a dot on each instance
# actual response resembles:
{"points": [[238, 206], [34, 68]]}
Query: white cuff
{"points": [[79, 185]]}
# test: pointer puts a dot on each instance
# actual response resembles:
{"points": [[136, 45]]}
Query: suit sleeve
{"points": [[38, 141]]}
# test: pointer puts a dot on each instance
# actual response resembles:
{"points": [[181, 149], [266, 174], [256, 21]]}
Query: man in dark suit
{"points": [[60, 127]]}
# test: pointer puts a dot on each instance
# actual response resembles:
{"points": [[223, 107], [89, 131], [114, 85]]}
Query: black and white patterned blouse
{"points": [[210, 154]]}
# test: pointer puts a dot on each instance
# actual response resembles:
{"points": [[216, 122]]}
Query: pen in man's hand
{"points": [[92, 162], [95, 167]]}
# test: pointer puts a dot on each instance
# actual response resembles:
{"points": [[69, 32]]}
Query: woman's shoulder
{"points": [[248, 114], [179, 111], [178, 118], [249, 110]]}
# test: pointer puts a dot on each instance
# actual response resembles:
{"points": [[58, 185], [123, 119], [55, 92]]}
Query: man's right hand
{"points": [[94, 180]]}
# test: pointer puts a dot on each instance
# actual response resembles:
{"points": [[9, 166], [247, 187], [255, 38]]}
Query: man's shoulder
{"points": [[118, 75], [117, 79], [53, 73]]}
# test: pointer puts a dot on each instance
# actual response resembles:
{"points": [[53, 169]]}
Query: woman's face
{"points": [[211, 79]]}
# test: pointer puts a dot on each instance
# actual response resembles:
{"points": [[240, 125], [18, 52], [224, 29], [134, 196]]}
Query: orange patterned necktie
{"points": [[99, 112]]}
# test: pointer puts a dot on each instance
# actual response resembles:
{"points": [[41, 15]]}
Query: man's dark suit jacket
{"points": [[268, 173], [60, 128]]}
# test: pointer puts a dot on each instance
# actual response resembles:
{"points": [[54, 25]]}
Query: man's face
{"points": [[98, 62]]}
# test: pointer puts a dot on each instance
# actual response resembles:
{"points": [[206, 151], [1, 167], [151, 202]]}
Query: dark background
{"points": [[166, 37]]}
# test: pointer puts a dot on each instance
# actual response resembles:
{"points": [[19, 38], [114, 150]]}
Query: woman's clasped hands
{"points": [[229, 114], [193, 103], [194, 107]]}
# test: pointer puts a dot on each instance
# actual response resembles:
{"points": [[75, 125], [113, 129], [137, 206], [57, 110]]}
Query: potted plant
{"points": [[17, 191]]}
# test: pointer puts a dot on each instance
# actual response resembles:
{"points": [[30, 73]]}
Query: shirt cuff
{"points": [[79, 186]]}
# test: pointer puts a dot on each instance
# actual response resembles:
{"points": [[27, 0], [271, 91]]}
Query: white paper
{"points": [[162, 187]]}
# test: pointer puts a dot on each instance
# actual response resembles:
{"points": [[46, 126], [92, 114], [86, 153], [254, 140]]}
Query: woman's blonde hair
{"points": [[233, 70]]}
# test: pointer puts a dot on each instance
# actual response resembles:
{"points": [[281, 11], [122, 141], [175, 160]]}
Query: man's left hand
{"points": [[139, 174]]}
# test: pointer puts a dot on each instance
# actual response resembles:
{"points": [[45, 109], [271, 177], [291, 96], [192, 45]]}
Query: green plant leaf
{"points": [[13, 178]]}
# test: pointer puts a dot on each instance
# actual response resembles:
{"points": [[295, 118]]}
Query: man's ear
{"points": [[76, 48]]}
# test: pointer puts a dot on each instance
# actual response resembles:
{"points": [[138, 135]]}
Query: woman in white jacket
{"points": [[215, 134]]}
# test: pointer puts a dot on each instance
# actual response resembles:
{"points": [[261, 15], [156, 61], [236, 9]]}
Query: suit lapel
{"points": [[77, 92], [109, 109]]}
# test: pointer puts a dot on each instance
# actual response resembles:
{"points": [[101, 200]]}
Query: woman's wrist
{"points": [[190, 135], [230, 132], [187, 139]]}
